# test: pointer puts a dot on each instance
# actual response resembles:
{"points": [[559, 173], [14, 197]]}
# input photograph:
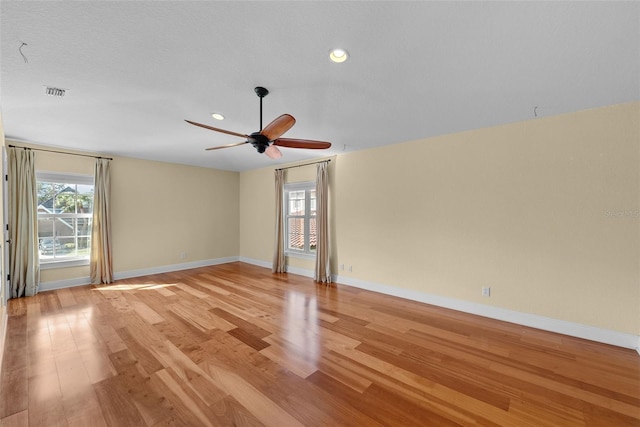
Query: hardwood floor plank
{"points": [[249, 339], [340, 369], [66, 298], [20, 419], [14, 392], [142, 352], [152, 407], [231, 413], [189, 407], [246, 325], [298, 359], [234, 344], [248, 396], [200, 319], [45, 401], [147, 313], [117, 407]]}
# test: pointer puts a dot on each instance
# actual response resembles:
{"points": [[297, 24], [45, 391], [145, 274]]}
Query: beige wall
{"points": [[545, 212], [166, 209], [160, 211]]}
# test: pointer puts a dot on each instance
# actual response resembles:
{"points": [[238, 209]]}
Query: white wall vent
{"points": [[54, 91]]}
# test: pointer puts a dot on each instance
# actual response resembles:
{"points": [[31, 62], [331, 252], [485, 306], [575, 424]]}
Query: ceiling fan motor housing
{"points": [[260, 142]]}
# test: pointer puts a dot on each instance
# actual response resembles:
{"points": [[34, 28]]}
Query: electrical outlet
{"points": [[341, 266], [486, 291], [183, 255], [350, 269]]}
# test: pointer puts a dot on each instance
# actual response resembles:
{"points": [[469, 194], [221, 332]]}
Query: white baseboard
{"points": [[172, 267], [65, 283], [79, 281], [592, 333], [258, 262], [290, 269]]}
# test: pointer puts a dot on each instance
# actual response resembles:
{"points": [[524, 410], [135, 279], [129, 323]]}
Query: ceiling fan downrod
{"points": [[261, 92]]}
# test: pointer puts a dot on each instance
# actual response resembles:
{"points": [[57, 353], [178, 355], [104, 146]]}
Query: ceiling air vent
{"points": [[54, 91]]}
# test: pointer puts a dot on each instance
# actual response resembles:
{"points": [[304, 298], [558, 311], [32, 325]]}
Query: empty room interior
{"points": [[372, 213]]}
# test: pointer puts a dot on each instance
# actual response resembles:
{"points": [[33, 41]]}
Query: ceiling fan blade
{"points": [[228, 132], [301, 143], [227, 146], [278, 127]]}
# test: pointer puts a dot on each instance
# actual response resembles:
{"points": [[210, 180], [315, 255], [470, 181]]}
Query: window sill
{"points": [[301, 255], [50, 265]]}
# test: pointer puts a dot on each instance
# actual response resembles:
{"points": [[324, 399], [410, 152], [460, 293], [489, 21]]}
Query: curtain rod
{"points": [[306, 164], [60, 152]]}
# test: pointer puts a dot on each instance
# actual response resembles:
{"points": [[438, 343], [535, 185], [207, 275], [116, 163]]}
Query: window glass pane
{"points": [[45, 226], [83, 226], [296, 203], [67, 245], [85, 199], [46, 195], [295, 238], [312, 203], [65, 200]]}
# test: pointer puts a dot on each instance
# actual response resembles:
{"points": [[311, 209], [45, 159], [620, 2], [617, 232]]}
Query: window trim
{"points": [[68, 178], [292, 187]]}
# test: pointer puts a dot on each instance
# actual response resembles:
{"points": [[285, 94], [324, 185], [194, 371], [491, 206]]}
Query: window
{"points": [[300, 218], [65, 211]]}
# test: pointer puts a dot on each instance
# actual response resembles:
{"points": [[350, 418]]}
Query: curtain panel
{"points": [[100, 262], [322, 271], [24, 258], [279, 265]]}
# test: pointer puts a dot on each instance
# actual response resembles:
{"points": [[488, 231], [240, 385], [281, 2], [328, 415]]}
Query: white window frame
{"points": [[67, 178], [306, 186]]}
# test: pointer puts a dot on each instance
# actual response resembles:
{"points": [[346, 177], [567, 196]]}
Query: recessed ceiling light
{"points": [[338, 55], [217, 116]]}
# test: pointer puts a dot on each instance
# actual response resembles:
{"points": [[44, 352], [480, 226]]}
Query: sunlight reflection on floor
{"points": [[300, 325], [129, 287]]}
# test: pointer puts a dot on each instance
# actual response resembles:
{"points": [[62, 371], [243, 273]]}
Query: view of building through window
{"points": [[65, 211], [300, 199]]}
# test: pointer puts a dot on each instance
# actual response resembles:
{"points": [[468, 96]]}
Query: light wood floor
{"points": [[235, 345]]}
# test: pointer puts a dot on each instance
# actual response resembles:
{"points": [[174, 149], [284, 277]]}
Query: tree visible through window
{"points": [[65, 210], [300, 215]]}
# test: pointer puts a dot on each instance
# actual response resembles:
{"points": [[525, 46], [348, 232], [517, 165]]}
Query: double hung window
{"points": [[300, 218], [65, 210]]}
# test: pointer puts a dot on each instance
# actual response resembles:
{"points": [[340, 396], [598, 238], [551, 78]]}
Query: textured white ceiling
{"points": [[135, 70]]}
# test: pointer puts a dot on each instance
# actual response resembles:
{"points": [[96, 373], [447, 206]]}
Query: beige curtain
{"points": [[279, 265], [24, 258], [100, 263], [322, 272]]}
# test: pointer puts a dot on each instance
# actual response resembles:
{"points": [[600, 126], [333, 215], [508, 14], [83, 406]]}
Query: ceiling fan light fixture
{"points": [[217, 116], [273, 152], [338, 55]]}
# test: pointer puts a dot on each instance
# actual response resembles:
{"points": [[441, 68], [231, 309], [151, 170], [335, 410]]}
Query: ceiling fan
{"points": [[267, 139]]}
